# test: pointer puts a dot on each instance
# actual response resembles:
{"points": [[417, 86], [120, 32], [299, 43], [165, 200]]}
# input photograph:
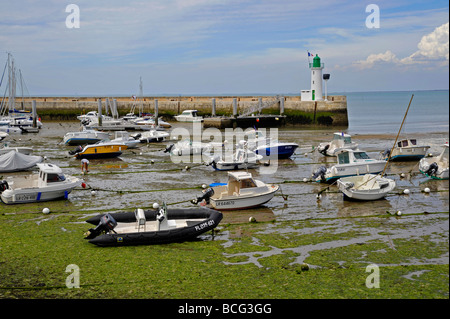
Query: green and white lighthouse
{"points": [[315, 94]]}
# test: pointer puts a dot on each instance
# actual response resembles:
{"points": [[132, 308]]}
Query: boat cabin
{"points": [[49, 173], [189, 113], [240, 181], [349, 156], [342, 137]]}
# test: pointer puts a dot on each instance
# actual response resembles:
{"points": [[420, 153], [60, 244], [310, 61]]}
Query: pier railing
{"points": [[257, 108]]}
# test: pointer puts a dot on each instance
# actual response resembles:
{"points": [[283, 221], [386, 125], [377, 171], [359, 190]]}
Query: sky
{"points": [[213, 47]]}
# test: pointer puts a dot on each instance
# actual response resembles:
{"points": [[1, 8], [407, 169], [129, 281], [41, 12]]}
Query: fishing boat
{"points": [[240, 192], [365, 187], [340, 141], [147, 227], [436, 167], [125, 138], [20, 149], [267, 147], [151, 136], [242, 158], [48, 184], [86, 136], [350, 163], [102, 149], [15, 161], [189, 116], [405, 150]]}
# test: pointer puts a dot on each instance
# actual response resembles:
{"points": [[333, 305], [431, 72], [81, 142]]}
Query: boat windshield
{"points": [[343, 158], [53, 178], [247, 183], [361, 155]]}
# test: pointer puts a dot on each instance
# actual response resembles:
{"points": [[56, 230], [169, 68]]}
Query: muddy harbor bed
{"points": [[337, 239]]}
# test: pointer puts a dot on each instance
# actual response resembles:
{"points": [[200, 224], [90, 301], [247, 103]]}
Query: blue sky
{"points": [[193, 47]]}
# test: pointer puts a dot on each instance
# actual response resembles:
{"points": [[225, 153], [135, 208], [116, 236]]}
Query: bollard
{"points": [[33, 107], [156, 112], [213, 112]]}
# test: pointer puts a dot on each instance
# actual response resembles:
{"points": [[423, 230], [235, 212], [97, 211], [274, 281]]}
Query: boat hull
{"points": [[208, 219], [346, 170], [282, 151], [354, 192], [228, 166], [244, 202], [32, 195]]}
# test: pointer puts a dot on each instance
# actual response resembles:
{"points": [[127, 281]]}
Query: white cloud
{"points": [[433, 47]]}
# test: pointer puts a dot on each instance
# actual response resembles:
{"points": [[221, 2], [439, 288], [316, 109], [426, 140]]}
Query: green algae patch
{"points": [[248, 260]]}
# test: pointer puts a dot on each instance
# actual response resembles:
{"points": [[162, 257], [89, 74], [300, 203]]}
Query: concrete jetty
{"points": [[219, 111]]}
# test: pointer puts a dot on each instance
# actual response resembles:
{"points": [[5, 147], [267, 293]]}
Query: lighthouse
{"points": [[315, 94]]}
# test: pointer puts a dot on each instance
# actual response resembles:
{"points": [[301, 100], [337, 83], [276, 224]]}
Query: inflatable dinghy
{"points": [[148, 227]]}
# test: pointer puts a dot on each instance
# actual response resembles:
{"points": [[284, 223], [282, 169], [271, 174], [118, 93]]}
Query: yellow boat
{"points": [[99, 150]]}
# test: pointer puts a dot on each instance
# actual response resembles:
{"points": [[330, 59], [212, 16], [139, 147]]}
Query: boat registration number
{"points": [[25, 197], [204, 225], [225, 203]]}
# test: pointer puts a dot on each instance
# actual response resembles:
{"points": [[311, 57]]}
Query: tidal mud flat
{"points": [[334, 239]]}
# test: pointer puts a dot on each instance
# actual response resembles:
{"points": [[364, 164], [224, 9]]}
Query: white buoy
{"points": [[305, 179], [399, 213], [204, 186], [152, 162], [426, 190], [93, 193], [46, 210], [406, 192], [319, 196], [155, 205], [252, 219], [402, 175]]}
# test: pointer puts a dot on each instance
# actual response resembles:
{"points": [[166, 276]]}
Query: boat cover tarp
{"points": [[14, 161]]}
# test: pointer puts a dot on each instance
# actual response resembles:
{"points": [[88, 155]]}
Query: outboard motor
{"points": [[107, 224], [86, 122], [320, 172], [169, 148], [386, 153], [77, 150], [136, 136], [206, 196], [3, 186], [431, 171], [324, 150]]}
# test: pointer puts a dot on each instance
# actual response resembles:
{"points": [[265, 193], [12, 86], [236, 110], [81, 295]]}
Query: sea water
{"points": [[383, 112]]}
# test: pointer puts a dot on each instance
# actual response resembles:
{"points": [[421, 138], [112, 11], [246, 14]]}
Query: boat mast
{"points": [[395, 143]]}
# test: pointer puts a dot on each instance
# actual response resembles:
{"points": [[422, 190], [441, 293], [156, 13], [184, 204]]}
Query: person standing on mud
{"points": [[84, 166]]}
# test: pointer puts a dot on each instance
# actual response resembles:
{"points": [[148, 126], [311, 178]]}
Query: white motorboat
{"points": [[9, 129], [21, 149], [265, 146], [15, 161], [125, 138], [86, 136], [436, 167], [151, 136], [189, 116], [365, 187], [406, 149], [242, 158], [3, 135], [350, 163], [189, 147], [340, 141], [240, 192], [151, 121], [48, 184]]}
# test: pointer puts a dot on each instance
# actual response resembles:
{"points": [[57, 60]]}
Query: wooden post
{"points": [[282, 105], [234, 107], [156, 112], [33, 108], [213, 112], [100, 112]]}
